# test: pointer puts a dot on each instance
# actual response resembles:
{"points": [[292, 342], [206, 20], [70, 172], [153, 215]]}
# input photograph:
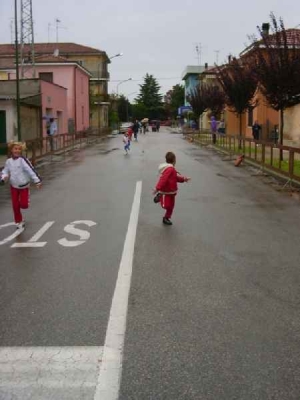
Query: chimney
{"points": [[206, 66], [265, 29], [229, 59]]}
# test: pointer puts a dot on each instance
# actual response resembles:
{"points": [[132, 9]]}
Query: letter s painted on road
{"points": [[83, 235]]}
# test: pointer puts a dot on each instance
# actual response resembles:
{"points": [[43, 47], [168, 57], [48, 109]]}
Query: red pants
{"points": [[167, 202], [19, 199]]}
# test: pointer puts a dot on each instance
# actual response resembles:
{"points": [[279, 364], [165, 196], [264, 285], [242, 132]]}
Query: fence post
{"points": [[263, 154], [33, 156], [291, 163]]}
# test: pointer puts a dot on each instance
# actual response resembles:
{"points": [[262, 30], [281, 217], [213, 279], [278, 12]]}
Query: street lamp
{"points": [[120, 83], [116, 55]]}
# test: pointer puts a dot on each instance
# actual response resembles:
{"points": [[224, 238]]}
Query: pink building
{"points": [[38, 98], [71, 76], [54, 103]]}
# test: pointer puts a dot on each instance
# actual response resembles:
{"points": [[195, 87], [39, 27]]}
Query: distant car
{"points": [[165, 123], [124, 127], [153, 125]]}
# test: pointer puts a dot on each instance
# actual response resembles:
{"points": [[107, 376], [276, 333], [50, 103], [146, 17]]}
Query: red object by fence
{"points": [[239, 160]]}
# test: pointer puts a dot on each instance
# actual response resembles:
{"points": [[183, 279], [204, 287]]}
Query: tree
{"points": [[276, 61], [239, 85], [124, 108], [198, 100], [139, 111], [215, 99], [150, 97], [174, 99]]}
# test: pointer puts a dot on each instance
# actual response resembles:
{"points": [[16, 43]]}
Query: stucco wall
{"points": [[82, 100], [30, 118], [55, 98], [292, 123], [31, 122]]}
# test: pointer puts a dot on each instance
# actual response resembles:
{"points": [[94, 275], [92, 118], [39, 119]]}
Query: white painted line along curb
{"points": [[111, 367]]}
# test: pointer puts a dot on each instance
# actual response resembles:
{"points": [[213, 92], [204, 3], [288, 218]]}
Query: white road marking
{"points": [[12, 236], [33, 242], [111, 368], [41, 371], [83, 235]]}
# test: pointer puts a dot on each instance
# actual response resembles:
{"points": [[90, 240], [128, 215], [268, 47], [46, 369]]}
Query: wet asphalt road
{"points": [[214, 302]]}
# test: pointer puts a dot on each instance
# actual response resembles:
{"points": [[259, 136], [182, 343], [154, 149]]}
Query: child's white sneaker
{"points": [[20, 225]]}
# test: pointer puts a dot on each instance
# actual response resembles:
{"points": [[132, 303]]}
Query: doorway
{"points": [[2, 131]]}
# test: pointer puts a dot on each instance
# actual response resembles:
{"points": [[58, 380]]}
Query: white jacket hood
{"points": [[162, 167]]}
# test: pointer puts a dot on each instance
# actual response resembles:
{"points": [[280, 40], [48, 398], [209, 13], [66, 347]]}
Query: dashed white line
{"points": [[111, 367]]}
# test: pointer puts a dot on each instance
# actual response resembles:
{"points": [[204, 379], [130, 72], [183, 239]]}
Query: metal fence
{"points": [[44, 146], [283, 160]]}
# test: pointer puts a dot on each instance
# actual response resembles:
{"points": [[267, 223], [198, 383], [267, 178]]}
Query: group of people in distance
{"points": [[133, 130]]}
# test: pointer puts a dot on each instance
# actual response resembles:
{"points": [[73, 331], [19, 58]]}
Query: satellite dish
{"points": [[56, 53]]}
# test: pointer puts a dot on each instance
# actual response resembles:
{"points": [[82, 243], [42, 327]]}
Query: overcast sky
{"points": [[156, 36]]}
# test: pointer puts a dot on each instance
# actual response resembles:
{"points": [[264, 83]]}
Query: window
{"points": [[46, 76], [250, 116], [81, 85]]}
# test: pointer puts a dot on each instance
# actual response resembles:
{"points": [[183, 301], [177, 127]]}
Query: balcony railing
{"points": [[100, 75]]}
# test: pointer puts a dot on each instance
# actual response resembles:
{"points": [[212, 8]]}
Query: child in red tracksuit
{"points": [[19, 171], [167, 186]]}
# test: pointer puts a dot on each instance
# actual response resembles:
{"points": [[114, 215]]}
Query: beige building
{"points": [[292, 124]]}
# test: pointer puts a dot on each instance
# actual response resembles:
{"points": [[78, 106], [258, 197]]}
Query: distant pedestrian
{"points": [[256, 128], [221, 127], [129, 135], [136, 127], [213, 127], [157, 125], [19, 172], [144, 126], [166, 187], [126, 143], [51, 132]]}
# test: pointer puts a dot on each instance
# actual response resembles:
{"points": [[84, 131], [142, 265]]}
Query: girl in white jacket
{"points": [[19, 171]]}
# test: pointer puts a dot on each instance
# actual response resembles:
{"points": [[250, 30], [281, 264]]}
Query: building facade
{"points": [[37, 97], [93, 60], [190, 76]]}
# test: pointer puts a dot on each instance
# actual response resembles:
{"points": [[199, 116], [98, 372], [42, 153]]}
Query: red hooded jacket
{"points": [[167, 183]]}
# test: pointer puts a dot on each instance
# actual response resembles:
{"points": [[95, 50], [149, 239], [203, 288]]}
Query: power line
{"points": [[142, 79]]}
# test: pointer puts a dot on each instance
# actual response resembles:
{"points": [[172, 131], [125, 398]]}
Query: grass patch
{"points": [[206, 138], [285, 166]]}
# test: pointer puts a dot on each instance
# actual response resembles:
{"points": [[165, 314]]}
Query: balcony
{"points": [[102, 75], [97, 99]]}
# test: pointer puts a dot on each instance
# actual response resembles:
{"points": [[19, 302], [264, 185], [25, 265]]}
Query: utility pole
{"points": [[27, 38], [12, 36], [18, 72], [198, 49], [57, 22], [217, 56]]}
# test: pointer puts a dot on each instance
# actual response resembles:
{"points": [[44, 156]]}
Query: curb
{"points": [[270, 172]]}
